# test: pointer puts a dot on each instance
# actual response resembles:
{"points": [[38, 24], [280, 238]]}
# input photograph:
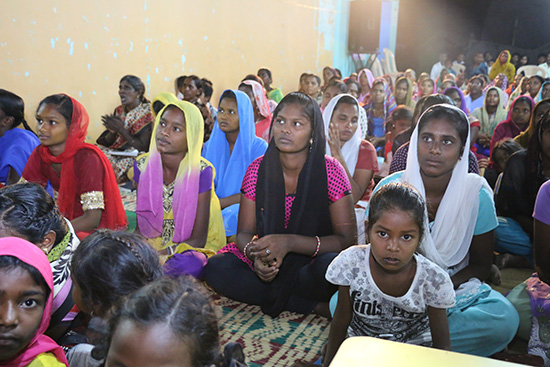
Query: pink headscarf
{"points": [[363, 98], [262, 127], [40, 343], [260, 97]]}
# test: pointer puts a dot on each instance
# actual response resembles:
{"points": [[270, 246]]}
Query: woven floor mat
{"points": [[268, 341]]}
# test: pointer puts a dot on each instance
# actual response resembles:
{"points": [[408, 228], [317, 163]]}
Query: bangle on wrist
{"points": [[318, 246], [248, 244]]}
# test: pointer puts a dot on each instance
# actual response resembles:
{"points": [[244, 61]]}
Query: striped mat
{"points": [[268, 341]]}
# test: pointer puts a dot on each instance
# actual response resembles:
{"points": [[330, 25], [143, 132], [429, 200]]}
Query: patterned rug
{"points": [[268, 341]]}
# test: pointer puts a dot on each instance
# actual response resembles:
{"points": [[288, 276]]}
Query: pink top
{"points": [[337, 180]]}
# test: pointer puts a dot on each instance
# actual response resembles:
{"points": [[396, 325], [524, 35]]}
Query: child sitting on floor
{"points": [[26, 286], [385, 289], [168, 323]]}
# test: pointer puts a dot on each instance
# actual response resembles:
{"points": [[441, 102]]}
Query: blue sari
{"points": [[231, 167]]}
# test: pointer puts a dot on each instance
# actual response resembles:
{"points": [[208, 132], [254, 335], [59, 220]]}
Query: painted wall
{"points": [[83, 48]]}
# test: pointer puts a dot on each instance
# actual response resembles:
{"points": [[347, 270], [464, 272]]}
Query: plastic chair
{"points": [[458, 68], [530, 70]]}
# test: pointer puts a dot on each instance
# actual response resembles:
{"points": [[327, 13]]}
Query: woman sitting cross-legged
{"points": [[296, 215]]}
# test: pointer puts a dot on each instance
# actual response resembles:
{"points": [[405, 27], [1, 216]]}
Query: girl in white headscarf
{"points": [[461, 219], [357, 156]]}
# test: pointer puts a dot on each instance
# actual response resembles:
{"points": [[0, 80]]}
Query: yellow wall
{"points": [[83, 48]]}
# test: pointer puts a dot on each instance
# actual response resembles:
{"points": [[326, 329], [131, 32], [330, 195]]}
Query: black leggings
{"points": [[233, 278]]}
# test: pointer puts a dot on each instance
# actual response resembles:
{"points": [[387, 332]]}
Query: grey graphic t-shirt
{"points": [[403, 319]]}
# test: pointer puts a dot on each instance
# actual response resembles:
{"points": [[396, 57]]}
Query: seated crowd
{"points": [[388, 205]]}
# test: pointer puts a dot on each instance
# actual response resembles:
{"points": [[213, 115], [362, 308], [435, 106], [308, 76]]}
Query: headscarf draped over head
{"points": [[517, 92], [30, 254], [150, 212], [310, 215], [350, 149], [523, 138], [409, 102], [114, 216], [260, 97], [500, 113], [507, 68], [497, 136], [364, 97], [463, 106], [448, 241], [231, 166]]}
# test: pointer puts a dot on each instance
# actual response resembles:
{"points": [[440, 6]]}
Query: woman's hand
{"points": [[334, 141], [265, 271], [113, 123], [270, 249], [484, 139], [483, 163]]}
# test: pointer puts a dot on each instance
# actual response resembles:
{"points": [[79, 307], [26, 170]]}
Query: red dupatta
{"points": [[114, 216]]}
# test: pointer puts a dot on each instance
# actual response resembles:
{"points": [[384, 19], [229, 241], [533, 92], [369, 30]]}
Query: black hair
{"points": [[402, 113], [478, 77], [397, 196], [207, 87], [297, 98], [338, 73], [266, 70], [196, 80], [454, 116], [254, 78], [508, 146], [108, 265], [183, 305], [8, 262], [349, 82], [316, 78], [428, 79], [63, 103], [346, 100], [338, 84], [157, 107], [542, 54], [540, 78], [28, 210], [179, 81], [13, 106], [418, 109], [230, 94], [534, 151], [137, 84]]}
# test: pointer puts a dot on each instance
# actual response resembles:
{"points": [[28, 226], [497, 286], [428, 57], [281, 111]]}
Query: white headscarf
{"points": [[448, 242], [350, 149]]}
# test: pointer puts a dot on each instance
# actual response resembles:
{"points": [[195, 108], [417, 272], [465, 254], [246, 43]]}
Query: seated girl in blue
{"points": [[16, 145], [232, 147]]}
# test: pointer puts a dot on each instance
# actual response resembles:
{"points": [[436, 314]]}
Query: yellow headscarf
{"points": [[507, 68], [150, 210]]}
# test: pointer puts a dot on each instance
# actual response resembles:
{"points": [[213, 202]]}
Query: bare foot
{"points": [[494, 277], [511, 261]]}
